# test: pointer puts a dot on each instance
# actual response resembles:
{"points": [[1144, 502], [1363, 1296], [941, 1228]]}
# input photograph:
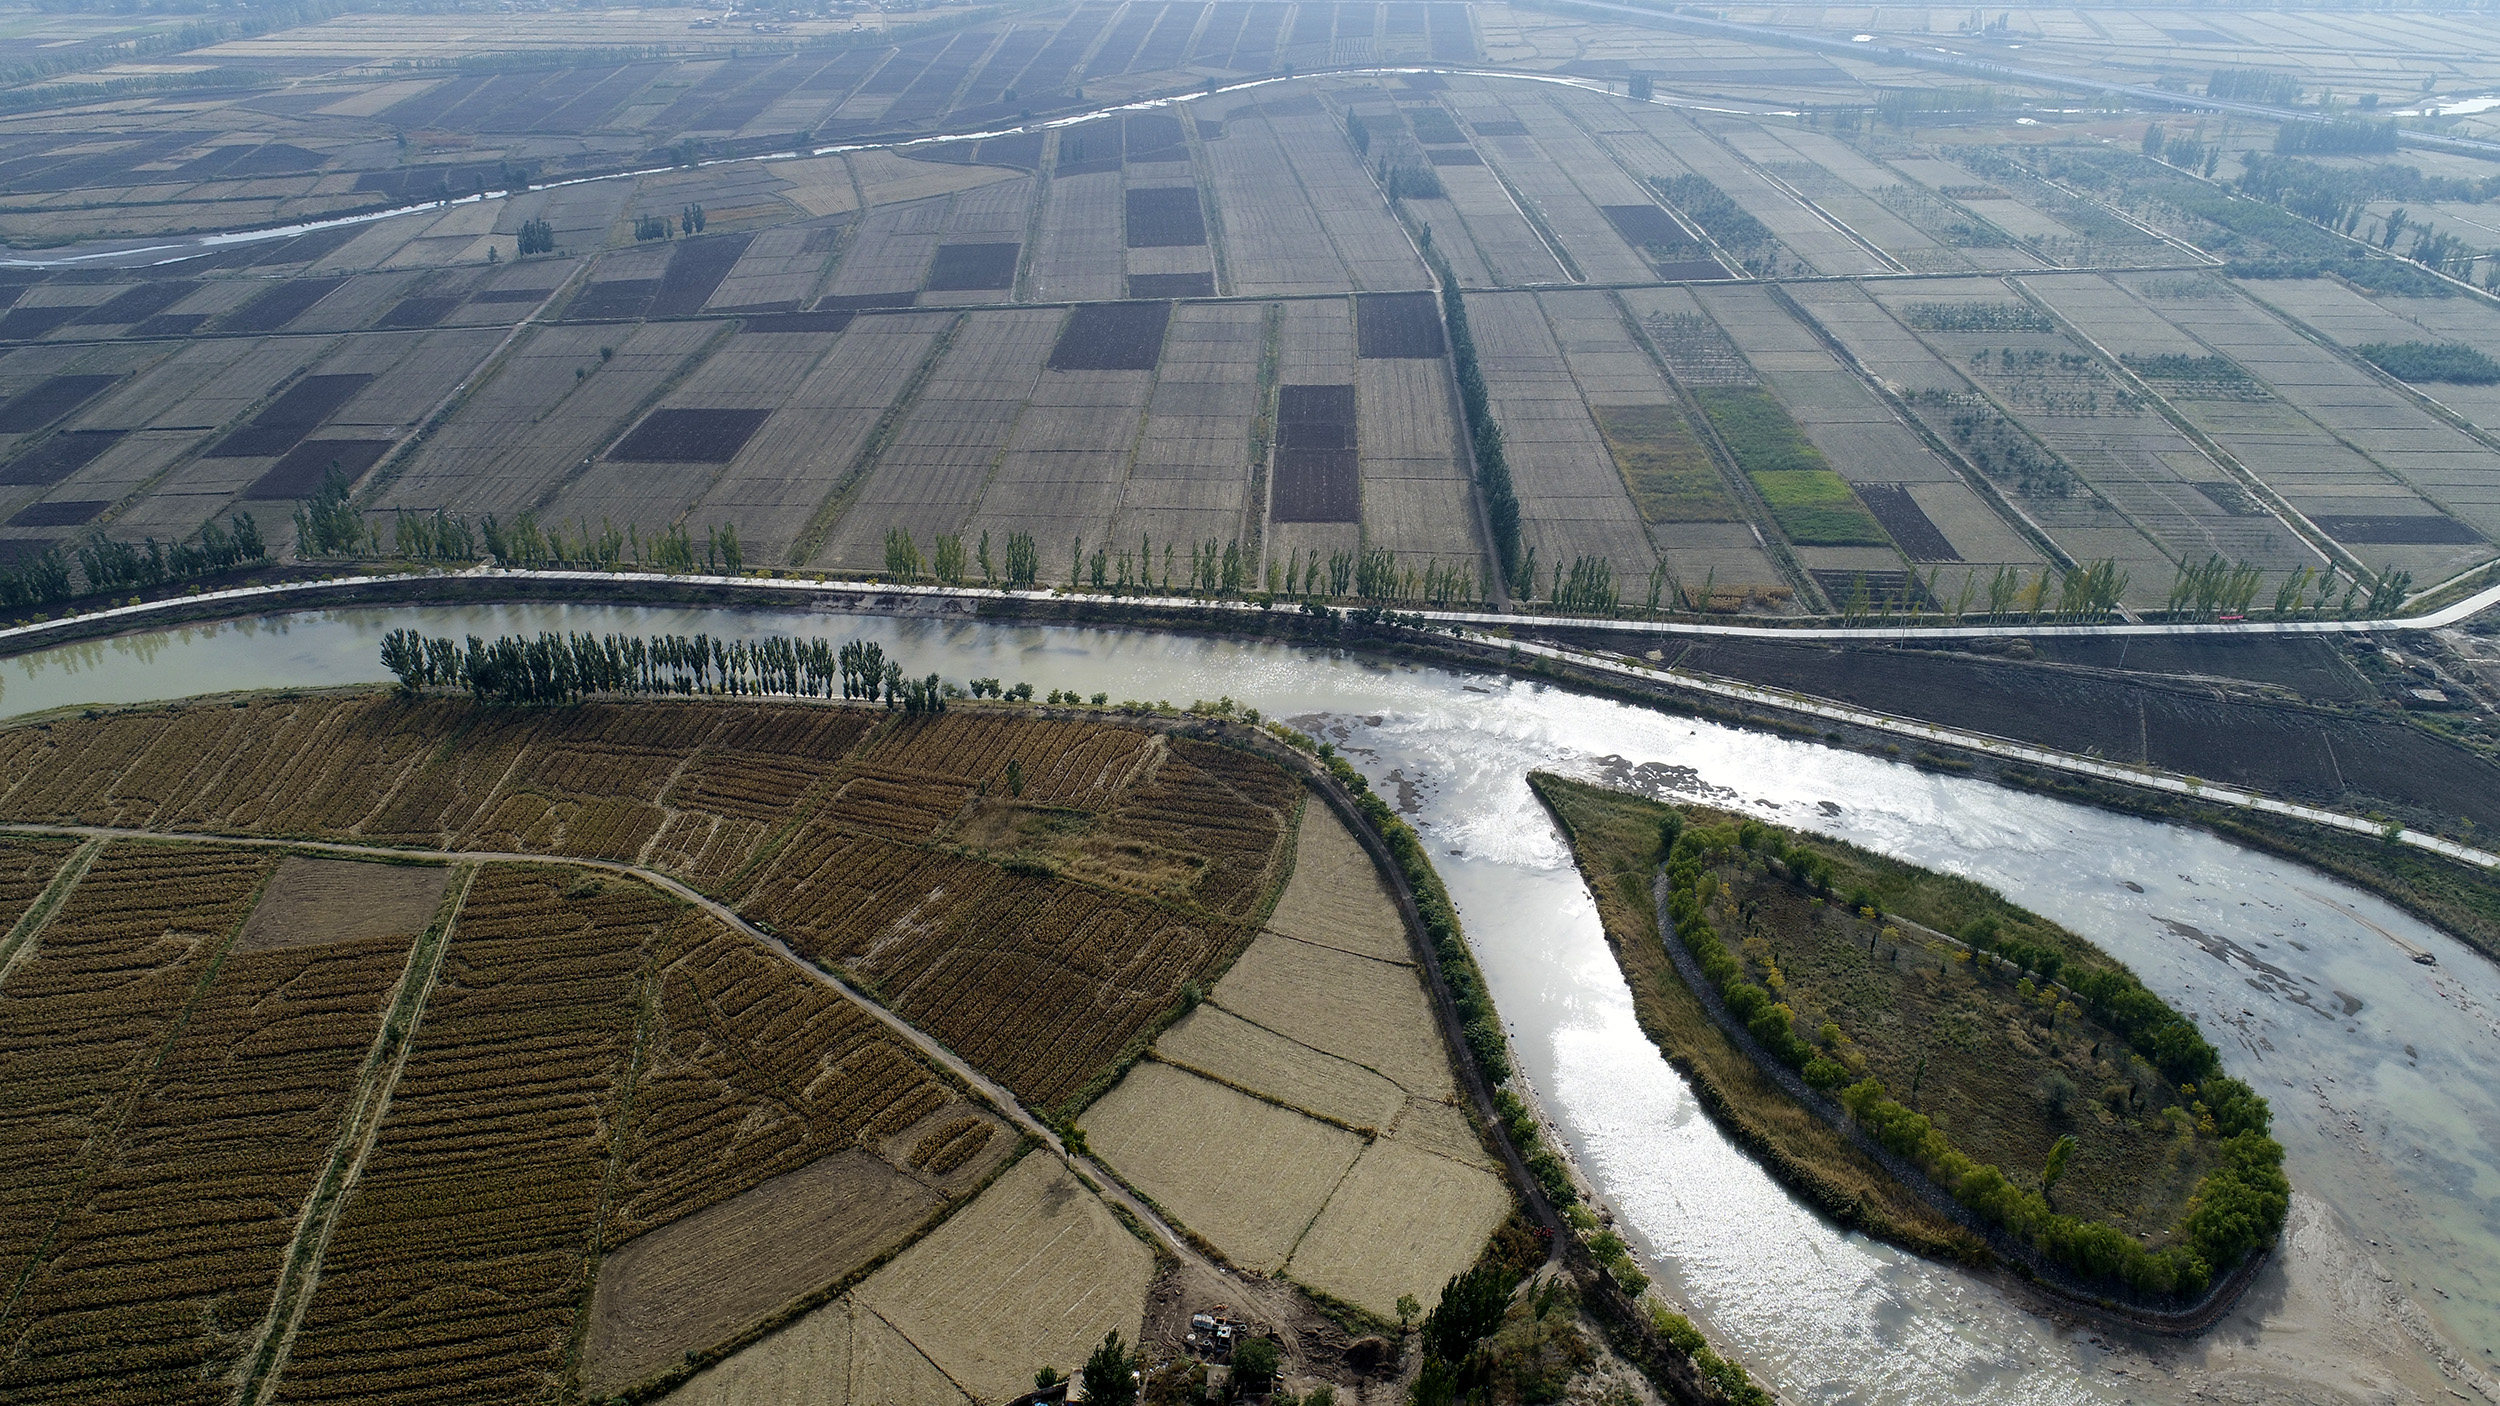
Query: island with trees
{"points": [[1931, 1063]]}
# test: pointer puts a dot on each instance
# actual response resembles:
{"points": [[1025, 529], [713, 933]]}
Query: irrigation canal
{"points": [[2384, 1071]]}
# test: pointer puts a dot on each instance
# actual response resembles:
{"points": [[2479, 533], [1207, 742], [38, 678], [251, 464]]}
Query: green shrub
{"points": [[2452, 362]]}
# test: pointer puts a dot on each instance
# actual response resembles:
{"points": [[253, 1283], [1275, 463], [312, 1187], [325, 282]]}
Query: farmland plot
{"points": [[2325, 477], [2107, 476], [779, 270], [87, 1006], [1360, 1009], [2443, 464], [175, 1241], [1274, 241], [314, 901], [1001, 967], [1889, 352], [481, 1196], [891, 250], [1345, 1164], [1068, 456], [773, 488], [1674, 482], [1900, 478], [988, 267], [929, 477], [1377, 253], [991, 218], [1035, 1270], [1250, 1180], [1403, 1221], [1841, 185], [1163, 216], [1214, 1041], [1191, 479], [976, 954], [1316, 347], [411, 375], [202, 387], [1565, 176], [1572, 501], [552, 403], [1417, 497], [1078, 255], [1179, 847], [765, 1098], [839, 1355], [1960, 197], [708, 419], [1805, 236], [1317, 478], [1336, 897]]}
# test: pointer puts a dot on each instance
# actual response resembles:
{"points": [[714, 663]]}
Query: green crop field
{"points": [[1666, 469], [1811, 503]]}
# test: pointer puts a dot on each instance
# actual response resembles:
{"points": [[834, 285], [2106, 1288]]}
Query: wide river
{"points": [[2384, 1072]]}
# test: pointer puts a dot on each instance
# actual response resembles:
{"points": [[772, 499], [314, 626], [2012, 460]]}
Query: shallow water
{"points": [[2384, 1073]]}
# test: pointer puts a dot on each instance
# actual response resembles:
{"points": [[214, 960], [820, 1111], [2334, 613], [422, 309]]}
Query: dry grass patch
{"points": [[1403, 1222], [1035, 1270], [1222, 1044], [698, 1280], [1370, 1012], [1441, 1128], [1247, 1175], [1336, 897], [839, 1355], [316, 901]]}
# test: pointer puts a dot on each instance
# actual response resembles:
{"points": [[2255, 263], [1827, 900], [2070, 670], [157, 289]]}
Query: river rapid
{"points": [[2384, 1072]]}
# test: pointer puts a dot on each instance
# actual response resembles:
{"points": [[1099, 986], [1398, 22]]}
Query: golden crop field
{"points": [[844, 828], [457, 1269], [515, 1129], [87, 1010], [177, 1235]]}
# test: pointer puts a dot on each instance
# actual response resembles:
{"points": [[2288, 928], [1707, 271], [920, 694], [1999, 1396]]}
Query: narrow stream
{"points": [[2384, 1072]]}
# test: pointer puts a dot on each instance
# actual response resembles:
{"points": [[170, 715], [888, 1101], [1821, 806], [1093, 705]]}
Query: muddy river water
{"points": [[2384, 1071]]}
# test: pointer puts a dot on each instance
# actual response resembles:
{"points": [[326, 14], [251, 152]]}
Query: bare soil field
{"points": [[1249, 1178], [1034, 1271], [314, 901], [1336, 897], [1112, 337], [1370, 1013], [699, 1280], [1401, 1222], [1215, 1042]]}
